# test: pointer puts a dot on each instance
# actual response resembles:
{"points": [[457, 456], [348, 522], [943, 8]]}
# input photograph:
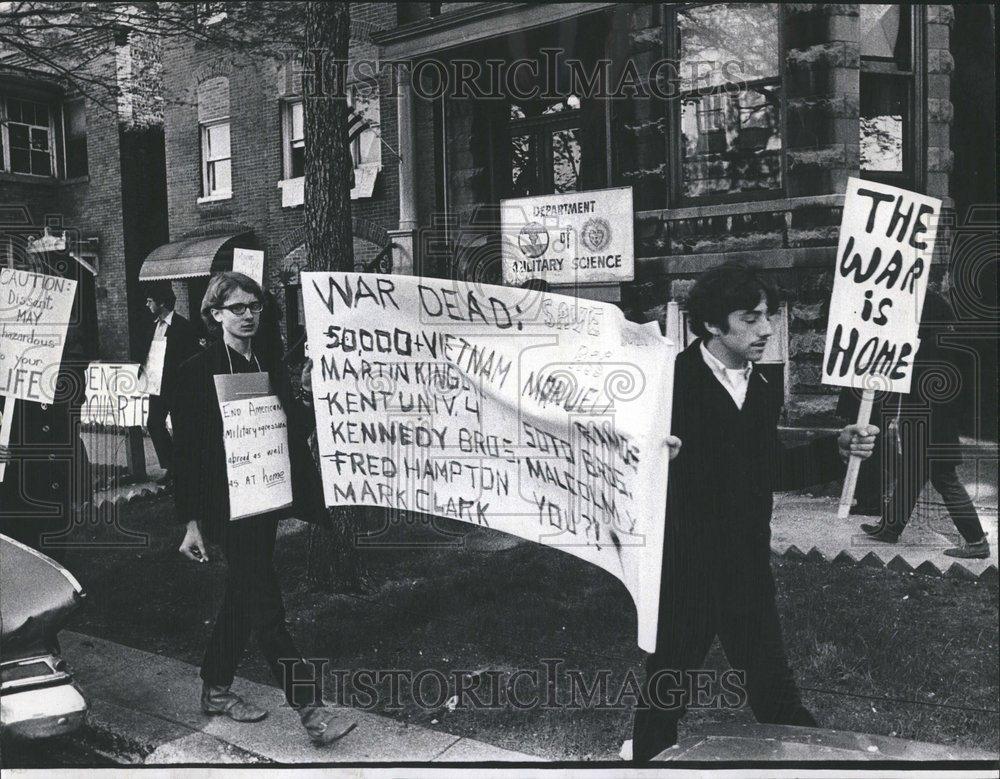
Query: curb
{"points": [[895, 563]]}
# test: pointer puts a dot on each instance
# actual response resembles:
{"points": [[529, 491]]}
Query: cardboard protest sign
{"points": [[883, 261], [570, 238], [34, 315], [255, 437], [152, 371], [249, 262], [116, 396], [538, 415], [6, 424]]}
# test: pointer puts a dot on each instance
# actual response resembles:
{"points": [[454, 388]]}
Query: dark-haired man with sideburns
{"points": [[716, 578]]}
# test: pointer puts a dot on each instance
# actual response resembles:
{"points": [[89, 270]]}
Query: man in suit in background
{"points": [[716, 578], [182, 342]]}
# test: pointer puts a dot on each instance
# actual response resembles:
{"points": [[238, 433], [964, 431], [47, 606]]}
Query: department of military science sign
{"points": [[571, 238]]}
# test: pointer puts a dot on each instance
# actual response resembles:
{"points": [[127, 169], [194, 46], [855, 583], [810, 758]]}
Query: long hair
{"points": [[219, 289]]}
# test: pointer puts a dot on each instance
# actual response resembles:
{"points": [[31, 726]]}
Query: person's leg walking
{"points": [[271, 630], [909, 474], [751, 637], [156, 425], [233, 623], [944, 479], [685, 634]]}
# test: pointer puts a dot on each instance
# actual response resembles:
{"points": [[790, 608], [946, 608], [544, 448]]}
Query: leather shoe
{"points": [[977, 551], [881, 533], [324, 725], [218, 700]]}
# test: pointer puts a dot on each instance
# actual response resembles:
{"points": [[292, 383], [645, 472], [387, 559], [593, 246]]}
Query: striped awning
{"points": [[193, 257]]}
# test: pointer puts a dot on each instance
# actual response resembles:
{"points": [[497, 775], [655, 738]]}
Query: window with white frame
{"points": [[216, 160], [213, 121], [294, 138], [26, 137]]}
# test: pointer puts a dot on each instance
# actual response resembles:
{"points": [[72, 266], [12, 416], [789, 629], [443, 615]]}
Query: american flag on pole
{"points": [[356, 124]]}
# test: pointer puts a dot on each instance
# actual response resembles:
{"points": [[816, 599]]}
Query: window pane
{"points": [[885, 32], [218, 141], [298, 121], [522, 166], [884, 122], [731, 143], [39, 139], [566, 156], [743, 35], [41, 114], [41, 163], [19, 136], [220, 178], [20, 160], [298, 162], [14, 110]]}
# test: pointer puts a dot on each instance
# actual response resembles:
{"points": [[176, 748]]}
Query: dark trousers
{"points": [[910, 467], [252, 604], [745, 619], [156, 424]]}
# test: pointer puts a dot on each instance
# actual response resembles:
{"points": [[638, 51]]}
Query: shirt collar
{"points": [[718, 366], [168, 318]]}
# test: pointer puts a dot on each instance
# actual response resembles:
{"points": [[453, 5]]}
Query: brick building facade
{"points": [[748, 162], [257, 99], [89, 170]]}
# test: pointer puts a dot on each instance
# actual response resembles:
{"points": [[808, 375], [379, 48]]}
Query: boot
{"points": [[324, 725], [219, 700]]}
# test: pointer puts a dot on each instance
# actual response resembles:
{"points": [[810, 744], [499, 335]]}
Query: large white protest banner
{"points": [[883, 261], [255, 436], [116, 396], [538, 415], [34, 314], [570, 238]]}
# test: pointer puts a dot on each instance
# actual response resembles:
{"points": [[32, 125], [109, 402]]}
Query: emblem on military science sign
{"points": [[533, 240], [596, 234]]}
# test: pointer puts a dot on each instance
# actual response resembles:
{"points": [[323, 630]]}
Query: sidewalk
{"points": [[144, 709]]}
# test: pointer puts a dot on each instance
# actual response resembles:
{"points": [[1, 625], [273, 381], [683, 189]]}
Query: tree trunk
{"points": [[333, 559]]}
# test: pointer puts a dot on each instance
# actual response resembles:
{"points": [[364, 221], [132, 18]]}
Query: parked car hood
{"points": [[36, 596]]}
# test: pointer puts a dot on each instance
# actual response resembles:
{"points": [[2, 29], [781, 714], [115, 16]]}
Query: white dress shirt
{"points": [[734, 380], [162, 323]]}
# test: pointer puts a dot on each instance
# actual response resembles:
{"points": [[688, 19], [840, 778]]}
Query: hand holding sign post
{"points": [[883, 261]]}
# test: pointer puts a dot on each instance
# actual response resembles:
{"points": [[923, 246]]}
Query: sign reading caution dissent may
{"points": [[572, 238]]}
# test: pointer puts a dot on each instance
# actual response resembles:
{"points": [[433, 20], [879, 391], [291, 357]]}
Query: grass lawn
{"points": [[874, 650]]}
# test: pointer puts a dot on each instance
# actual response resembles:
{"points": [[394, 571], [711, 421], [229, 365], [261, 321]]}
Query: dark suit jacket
{"points": [[201, 489], [48, 473], [182, 343], [719, 494]]}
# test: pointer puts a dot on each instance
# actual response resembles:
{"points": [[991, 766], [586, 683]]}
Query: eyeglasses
{"points": [[239, 309]]}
